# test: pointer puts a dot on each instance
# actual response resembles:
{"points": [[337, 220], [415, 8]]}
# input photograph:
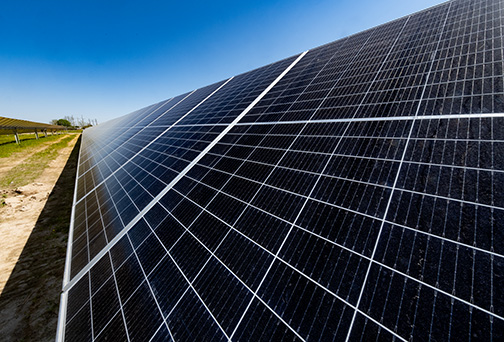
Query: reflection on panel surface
{"points": [[358, 198]]}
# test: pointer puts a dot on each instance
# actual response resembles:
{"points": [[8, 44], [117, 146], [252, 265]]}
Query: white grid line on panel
{"points": [[157, 330], [99, 153], [66, 275], [446, 216], [346, 156], [341, 207], [363, 286], [318, 284], [91, 308], [492, 292], [385, 118], [363, 119], [183, 294], [141, 125], [218, 259], [150, 287], [293, 224], [384, 219], [339, 246], [128, 129], [360, 137], [458, 243], [160, 135], [139, 183], [180, 175], [190, 283], [212, 253], [143, 272], [107, 324], [113, 274], [204, 265], [313, 187], [381, 325], [279, 258], [436, 289], [119, 299]]}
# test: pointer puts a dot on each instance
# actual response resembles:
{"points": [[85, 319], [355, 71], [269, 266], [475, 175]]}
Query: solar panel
{"points": [[13, 126], [352, 192]]}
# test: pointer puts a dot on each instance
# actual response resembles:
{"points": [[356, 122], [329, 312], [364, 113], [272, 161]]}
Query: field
{"points": [[36, 186]]}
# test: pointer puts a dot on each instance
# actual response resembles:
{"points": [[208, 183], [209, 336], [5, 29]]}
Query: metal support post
{"points": [[16, 136]]}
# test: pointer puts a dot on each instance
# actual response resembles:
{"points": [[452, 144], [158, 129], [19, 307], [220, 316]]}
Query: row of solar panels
{"points": [[352, 192], [11, 126]]}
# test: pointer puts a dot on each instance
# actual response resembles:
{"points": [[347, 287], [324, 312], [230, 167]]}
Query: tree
{"points": [[63, 122], [71, 119], [82, 122]]}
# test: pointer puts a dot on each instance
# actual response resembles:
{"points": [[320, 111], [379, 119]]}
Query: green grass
{"points": [[33, 167], [9, 138], [8, 144]]}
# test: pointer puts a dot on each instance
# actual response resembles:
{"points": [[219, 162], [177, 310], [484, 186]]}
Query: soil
{"points": [[33, 232]]}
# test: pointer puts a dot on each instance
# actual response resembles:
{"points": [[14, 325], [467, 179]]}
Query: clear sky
{"points": [[105, 58]]}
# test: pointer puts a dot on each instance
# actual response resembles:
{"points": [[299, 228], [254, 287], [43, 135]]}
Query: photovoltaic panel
{"points": [[103, 206], [95, 151], [10, 126], [350, 193]]}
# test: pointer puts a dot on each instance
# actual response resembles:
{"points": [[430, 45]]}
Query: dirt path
{"points": [[18, 217], [15, 159], [33, 236]]}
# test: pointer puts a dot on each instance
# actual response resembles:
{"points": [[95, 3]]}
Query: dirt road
{"points": [[33, 231]]}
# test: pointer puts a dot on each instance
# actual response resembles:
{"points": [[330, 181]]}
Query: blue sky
{"points": [[103, 59]]}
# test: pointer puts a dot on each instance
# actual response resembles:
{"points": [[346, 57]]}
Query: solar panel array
{"points": [[352, 192], [10, 126]]}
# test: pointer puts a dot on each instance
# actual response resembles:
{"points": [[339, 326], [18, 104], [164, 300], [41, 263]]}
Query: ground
{"points": [[37, 185]]}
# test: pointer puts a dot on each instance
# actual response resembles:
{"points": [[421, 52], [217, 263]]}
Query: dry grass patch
{"points": [[32, 168]]}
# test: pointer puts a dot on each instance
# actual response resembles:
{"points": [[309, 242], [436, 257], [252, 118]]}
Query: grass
{"points": [[9, 138], [8, 144], [32, 168]]}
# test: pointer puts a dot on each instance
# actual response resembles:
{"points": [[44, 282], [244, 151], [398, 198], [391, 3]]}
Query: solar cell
{"points": [[348, 193]]}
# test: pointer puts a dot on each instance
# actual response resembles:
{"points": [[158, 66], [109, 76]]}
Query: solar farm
{"points": [[352, 192]]}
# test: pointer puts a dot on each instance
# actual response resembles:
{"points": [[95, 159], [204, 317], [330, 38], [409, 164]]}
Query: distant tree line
{"points": [[71, 122]]}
